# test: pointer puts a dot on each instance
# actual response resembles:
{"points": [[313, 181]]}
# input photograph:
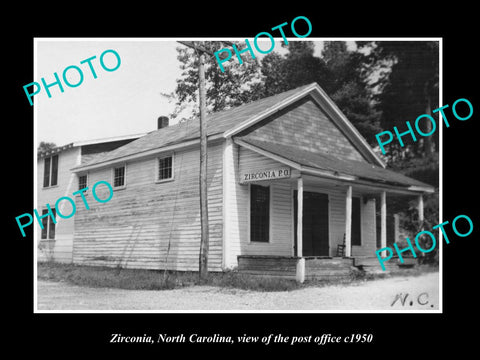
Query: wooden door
{"points": [[315, 224]]}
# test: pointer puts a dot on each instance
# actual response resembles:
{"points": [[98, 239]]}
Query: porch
{"points": [[306, 206], [310, 268], [331, 230]]}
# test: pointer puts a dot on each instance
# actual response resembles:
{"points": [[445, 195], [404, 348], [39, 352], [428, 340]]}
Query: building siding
{"points": [[280, 209], [153, 225], [306, 126]]}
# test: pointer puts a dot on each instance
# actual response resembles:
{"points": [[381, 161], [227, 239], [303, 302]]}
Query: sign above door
{"points": [[261, 175]]}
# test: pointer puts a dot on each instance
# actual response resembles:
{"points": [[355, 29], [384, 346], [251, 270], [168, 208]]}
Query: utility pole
{"points": [[204, 240]]}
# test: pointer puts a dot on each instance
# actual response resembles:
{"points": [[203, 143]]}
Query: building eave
{"points": [[338, 176], [109, 139], [71, 145], [143, 154]]}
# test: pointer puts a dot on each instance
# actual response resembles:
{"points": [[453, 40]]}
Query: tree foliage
{"points": [[338, 71], [45, 146], [298, 67], [406, 87], [349, 88], [233, 87]]}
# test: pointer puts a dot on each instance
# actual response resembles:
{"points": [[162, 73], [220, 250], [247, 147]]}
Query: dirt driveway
{"points": [[384, 294]]}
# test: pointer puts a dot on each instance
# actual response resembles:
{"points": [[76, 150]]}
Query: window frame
{"points": [[48, 226], [46, 174], [249, 218], [49, 174], [157, 168], [86, 182], [56, 170], [124, 165]]}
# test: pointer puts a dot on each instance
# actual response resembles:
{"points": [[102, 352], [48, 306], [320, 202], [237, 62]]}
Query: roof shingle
{"points": [[331, 163]]}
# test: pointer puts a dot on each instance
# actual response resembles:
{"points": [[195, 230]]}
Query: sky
{"points": [[121, 102]]}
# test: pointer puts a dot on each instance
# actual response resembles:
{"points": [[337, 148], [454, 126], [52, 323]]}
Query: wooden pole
{"points": [[300, 217], [420, 208], [204, 241], [348, 222], [383, 222]]}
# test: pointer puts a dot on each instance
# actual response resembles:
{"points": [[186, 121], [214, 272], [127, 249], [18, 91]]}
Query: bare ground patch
{"points": [[418, 292]]}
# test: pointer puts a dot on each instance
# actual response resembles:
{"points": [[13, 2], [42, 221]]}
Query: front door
{"points": [[315, 224]]}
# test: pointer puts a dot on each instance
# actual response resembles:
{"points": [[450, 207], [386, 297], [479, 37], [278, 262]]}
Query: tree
{"points": [[45, 146], [298, 67], [349, 88], [238, 84], [407, 87]]}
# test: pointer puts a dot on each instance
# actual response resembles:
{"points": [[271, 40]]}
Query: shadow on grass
{"points": [[137, 279]]}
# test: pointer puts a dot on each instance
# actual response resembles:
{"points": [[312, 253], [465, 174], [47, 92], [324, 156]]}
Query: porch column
{"points": [[396, 227], [299, 216], [420, 208], [348, 223], [383, 222]]}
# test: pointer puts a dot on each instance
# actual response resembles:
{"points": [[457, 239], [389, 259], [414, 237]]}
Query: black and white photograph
{"points": [[230, 181], [287, 203]]}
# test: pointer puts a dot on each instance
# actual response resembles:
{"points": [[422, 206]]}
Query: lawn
{"points": [[137, 279]]}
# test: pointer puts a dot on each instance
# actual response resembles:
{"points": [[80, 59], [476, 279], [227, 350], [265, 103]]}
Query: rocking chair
{"points": [[341, 248]]}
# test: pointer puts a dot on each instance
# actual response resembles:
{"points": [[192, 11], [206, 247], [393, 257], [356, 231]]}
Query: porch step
{"points": [[331, 269], [372, 265], [280, 266], [316, 268], [328, 263]]}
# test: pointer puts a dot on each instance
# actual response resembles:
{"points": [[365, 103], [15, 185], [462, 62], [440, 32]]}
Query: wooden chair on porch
{"points": [[341, 248]]}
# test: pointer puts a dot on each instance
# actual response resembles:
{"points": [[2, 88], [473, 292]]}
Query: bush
{"points": [[414, 225]]}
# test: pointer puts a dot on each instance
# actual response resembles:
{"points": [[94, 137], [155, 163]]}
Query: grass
{"points": [[135, 279]]}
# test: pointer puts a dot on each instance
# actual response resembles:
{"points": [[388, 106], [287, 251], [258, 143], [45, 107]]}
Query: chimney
{"points": [[162, 122]]}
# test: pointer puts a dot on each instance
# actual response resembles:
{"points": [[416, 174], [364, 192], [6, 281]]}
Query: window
{"points": [[259, 213], [82, 182], [54, 170], [165, 168], [119, 176], [50, 171], [48, 230], [356, 226]]}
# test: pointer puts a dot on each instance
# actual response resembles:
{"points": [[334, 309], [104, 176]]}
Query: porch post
{"points": [[420, 207], [396, 227], [300, 270], [299, 216], [383, 222], [348, 223], [420, 215]]}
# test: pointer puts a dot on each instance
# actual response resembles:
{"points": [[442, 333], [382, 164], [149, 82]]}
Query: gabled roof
{"points": [[331, 166], [228, 123]]}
